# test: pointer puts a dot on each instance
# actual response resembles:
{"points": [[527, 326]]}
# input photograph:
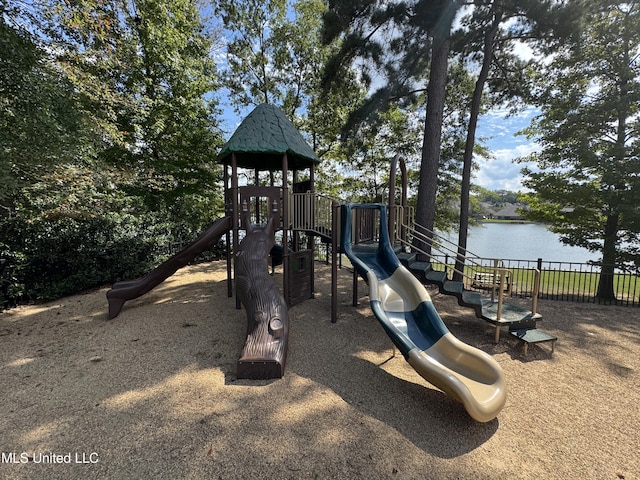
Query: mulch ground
{"points": [[153, 393]]}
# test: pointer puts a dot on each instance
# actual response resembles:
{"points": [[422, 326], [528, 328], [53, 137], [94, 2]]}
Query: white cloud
{"points": [[499, 127], [524, 51], [501, 172]]}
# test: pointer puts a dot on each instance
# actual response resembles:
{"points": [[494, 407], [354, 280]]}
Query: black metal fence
{"points": [[566, 281]]}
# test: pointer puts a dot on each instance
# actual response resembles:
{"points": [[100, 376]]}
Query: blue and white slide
{"points": [[403, 307]]}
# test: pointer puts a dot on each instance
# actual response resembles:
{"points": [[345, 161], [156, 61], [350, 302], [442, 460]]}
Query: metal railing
{"points": [[497, 278], [494, 278], [568, 281], [561, 281], [312, 212]]}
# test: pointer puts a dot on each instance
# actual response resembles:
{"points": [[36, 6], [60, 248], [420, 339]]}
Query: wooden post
{"points": [[500, 297], [311, 243], [392, 199], [536, 292], [257, 184], [236, 213], [295, 236], [228, 210], [493, 280], [285, 226]]}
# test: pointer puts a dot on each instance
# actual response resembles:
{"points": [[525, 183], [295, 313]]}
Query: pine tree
{"points": [[586, 182]]}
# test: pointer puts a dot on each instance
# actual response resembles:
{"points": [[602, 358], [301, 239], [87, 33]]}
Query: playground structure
{"points": [[265, 349], [404, 309], [266, 141]]}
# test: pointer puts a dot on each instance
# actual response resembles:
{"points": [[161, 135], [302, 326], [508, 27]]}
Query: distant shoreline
{"points": [[497, 220]]}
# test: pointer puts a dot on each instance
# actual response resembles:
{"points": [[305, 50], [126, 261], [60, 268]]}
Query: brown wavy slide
{"points": [[127, 290]]}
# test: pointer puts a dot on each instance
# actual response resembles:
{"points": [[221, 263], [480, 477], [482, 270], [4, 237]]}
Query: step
{"points": [[419, 266], [420, 269], [406, 258], [533, 335], [452, 287], [472, 300], [436, 276], [512, 315]]}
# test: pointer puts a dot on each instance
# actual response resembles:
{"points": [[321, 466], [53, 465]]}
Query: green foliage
{"points": [[52, 257], [253, 75], [40, 124], [369, 150], [586, 180], [404, 46], [76, 230], [147, 78], [59, 255], [500, 197], [107, 135], [275, 55]]}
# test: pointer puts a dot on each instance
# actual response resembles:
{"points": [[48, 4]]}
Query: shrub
{"points": [[55, 256], [51, 257]]}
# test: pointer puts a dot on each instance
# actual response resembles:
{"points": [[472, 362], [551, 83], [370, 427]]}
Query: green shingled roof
{"points": [[263, 137]]}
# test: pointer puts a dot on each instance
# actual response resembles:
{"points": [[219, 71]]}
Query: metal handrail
{"points": [[444, 246], [443, 241]]}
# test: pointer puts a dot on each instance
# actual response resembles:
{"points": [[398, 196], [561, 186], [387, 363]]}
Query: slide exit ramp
{"points": [[404, 309], [121, 292]]}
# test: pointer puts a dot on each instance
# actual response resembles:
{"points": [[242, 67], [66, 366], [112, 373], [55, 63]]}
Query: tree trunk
{"points": [[476, 104], [427, 190], [609, 249], [605, 284]]}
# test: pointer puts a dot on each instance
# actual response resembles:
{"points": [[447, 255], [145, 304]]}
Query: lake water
{"points": [[522, 241]]}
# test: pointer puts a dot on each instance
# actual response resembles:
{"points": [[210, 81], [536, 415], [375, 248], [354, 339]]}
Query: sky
{"points": [[497, 173], [500, 172]]}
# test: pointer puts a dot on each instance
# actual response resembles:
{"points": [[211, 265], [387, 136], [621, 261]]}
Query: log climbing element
{"points": [[265, 349]]}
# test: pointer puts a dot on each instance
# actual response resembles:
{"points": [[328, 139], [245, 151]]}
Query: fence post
{"points": [[538, 278], [536, 291]]}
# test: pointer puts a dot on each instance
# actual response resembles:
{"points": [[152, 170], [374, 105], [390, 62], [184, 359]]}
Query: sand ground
{"points": [[153, 393]]}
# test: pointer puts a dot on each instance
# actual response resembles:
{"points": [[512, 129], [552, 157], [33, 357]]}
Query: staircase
{"points": [[522, 323]]}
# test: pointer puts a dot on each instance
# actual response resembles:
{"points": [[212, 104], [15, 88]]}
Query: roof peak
{"points": [[263, 137]]}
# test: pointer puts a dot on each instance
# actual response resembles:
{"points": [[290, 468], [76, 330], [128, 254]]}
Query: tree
{"points": [[275, 55], [369, 150], [460, 85], [485, 41], [253, 27], [146, 76], [108, 134], [40, 124], [436, 93], [587, 181], [407, 45]]}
